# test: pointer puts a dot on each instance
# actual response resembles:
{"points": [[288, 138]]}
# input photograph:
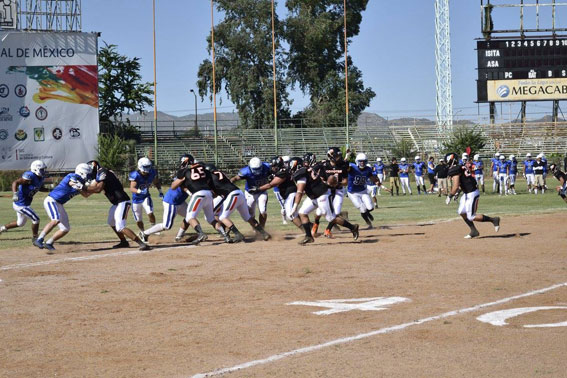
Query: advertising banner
{"points": [[527, 90], [48, 99]]}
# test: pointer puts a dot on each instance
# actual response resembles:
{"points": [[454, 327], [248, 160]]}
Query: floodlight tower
{"points": [[444, 110], [49, 15]]}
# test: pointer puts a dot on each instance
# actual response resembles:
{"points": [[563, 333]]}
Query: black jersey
{"points": [[315, 186], [113, 188], [196, 178], [222, 185], [467, 181], [288, 186], [340, 170], [539, 167], [560, 175], [394, 170]]}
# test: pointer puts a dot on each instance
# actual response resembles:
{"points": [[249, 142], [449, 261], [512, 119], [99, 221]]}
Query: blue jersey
{"points": [[404, 169], [256, 179], [503, 166], [495, 162], [430, 167], [418, 168], [378, 168], [478, 167], [67, 188], [529, 167], [357, 178], [28, 190], [144, 182], [513, 164], [175, 196]]}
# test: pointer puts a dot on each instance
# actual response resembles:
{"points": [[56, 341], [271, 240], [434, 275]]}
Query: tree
{"points": [[120, 87], [403, 148], [314, 31], [463, 137], [243, 62]]}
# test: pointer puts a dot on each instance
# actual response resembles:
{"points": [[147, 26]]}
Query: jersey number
{"points": [[218, 173], [197, 173]]}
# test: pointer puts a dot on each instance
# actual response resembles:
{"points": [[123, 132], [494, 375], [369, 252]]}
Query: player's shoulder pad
{"points": [[133, 176], [101, 174], [28, 175], [455, 170], [244, 172], [282, 173], [300, 173]]}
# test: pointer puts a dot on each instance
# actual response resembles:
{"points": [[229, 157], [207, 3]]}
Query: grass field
{"points": [[88, 216]]}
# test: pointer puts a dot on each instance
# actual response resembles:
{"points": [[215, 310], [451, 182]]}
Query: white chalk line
{"points": [[86, 258], [345, 340]]}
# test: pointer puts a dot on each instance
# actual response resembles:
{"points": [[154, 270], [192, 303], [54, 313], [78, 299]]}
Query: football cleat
{"points": [[473, 234], [238, 237], [496, 223], [306, 240], [355, 232], [49, 247], [38, 243], [122, 244], [144, 247], [314, 230], [329, 234], [143, 237]]}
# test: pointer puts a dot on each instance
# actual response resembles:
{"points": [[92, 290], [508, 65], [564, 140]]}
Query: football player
{"points": [[503, 171], [140, 182], [256, 174], [494, 169], [358, 176], [512, 172], [193, 177], [229, 198], [462, 178], [419, 168], [529, 172], [309, 181], [174, 203], [336, 166], [562, 178], [276, 164], [24, 189], [478, 167], [105, 180], [379, 171], [430, 173], [538, 168], [69, 187], [404, 176]]}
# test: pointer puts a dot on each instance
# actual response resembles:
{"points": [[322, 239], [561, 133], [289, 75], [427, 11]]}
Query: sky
{"points": [[395, 50]]}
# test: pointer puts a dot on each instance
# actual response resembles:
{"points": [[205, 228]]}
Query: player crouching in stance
{"points": [[358, 176], [462, 178], [140, 182], [105, 179], [24, 189], [229, 198], [69, 187], [562, 177], [310, 182]]}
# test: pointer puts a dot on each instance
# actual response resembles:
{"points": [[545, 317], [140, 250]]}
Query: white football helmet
{"points": [[144, 165], [497, 155], [539, 156], [502, 157], [417, 158], [511, 157], [38, 168], [361, 160], [528, 155], [83, 170], [379, 160], [255, 164], [464, 156], [403, 160], [476, 157]]}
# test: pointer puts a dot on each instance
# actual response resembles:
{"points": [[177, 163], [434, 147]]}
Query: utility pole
{"points": [[444, 109]]}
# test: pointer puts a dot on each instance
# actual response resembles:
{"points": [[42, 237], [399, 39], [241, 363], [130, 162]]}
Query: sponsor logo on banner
{"points": [[38, 134], [4, 90], [8, 14], [41, 113], [5, 114], [57, 133], [527, 90], [25, 111], [20, 135], [3, 134], [20, 90], [75, 132], [5, 153]]}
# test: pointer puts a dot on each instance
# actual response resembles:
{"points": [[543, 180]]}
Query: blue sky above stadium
{"points": [[395, 51]]}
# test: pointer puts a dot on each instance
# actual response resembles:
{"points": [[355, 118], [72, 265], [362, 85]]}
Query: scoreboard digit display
{"points": [[522, 69]]}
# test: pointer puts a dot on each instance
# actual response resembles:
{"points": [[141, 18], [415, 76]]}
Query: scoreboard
{"points": [[522, 69]]}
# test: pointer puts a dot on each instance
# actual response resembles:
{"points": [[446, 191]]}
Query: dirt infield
{"points": [[176, 311]]}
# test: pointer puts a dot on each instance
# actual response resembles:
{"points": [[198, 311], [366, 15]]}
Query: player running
{"points": [[105, 180], [256, 174], [24, 189], [358, 175], [562, 178], [140, 182], [275, 165], [229, 198], [309, 182], [69, 187], [462, 178]]}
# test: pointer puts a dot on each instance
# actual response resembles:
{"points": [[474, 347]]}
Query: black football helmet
{"points": [[334, 154], [95, 166], [309, 159], [451, 159], [186, 160], [210, 167], [276, 163], [295, 163], [553, 168]]}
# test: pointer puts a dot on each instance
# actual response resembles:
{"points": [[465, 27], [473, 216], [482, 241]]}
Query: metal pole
{"points": [[196, 128], [155, 86], [274, 76], [346, 76], [214, 84]]}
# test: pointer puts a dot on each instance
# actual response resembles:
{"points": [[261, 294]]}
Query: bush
{"points": [[113, 152], [6, 179], [404, 148], [463, 137]]}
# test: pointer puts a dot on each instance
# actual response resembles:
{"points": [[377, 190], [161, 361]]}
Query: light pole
{"points": [[195, 128]]}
